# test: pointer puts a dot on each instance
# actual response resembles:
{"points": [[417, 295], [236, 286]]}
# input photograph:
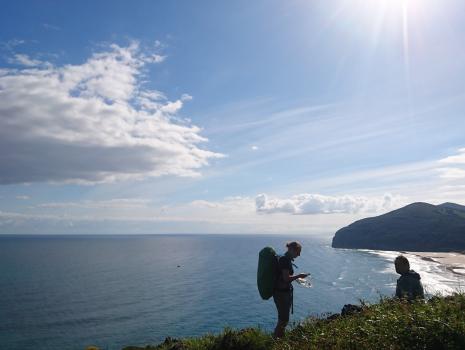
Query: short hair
{"points": [[402, 260], [294, 245]]}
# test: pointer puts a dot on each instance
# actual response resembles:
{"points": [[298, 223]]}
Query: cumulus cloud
{"points": [[93, 122], [305, 204]]}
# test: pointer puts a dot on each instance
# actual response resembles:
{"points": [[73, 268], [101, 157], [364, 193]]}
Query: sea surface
{"points": [[69, 292]]}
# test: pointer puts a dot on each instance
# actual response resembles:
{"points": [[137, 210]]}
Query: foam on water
{"points": [[436, 278]]}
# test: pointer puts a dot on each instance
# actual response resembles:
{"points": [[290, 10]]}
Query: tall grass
{"points": [[389, 324]]}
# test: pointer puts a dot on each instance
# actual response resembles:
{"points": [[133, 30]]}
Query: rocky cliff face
{"points": [[415, 227]]}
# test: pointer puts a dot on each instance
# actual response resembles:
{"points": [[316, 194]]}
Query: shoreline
{"points": [[452, 261]]}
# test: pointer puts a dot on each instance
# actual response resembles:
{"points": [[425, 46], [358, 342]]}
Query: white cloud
{"points": [[11, 44], [154, 58], [455, 159], [117, 203], [455, 166], [140, 215], [254, 148], [93, 122], [237, 204], [49, 26], [25, 60], [306, 203], [186, 97], [452, 173]]}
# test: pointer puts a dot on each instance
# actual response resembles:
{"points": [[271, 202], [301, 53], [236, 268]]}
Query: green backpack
{"points": [[267, 272]]}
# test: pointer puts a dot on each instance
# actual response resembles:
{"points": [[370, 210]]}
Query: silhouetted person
{"points": [[408, 285], [283, 291]]}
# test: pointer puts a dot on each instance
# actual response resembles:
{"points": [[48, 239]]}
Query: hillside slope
{"points": [[390, 324], [415, 227]]}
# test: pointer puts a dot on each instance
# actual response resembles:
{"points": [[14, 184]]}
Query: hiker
{"points": [[283, 291], [408, 285]]}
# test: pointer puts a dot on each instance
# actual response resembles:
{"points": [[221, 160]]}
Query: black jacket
{"points": [[409, 286]]}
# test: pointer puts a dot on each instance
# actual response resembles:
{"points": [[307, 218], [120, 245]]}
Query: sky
{"points": [[135, 117]]}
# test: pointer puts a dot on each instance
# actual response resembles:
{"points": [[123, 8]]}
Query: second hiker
{"points": [[408, 285]]}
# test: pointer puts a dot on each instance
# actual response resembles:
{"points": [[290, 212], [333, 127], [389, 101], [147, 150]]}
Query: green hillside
{"points": [[389, 324]]}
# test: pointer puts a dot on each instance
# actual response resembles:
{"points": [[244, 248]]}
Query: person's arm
{"points": [[398, 291], [288, 278], [420, 292]]}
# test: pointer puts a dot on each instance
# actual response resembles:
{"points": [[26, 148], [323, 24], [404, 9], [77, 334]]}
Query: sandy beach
{"points": [[454, 262]]}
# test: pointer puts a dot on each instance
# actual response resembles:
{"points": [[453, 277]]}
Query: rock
{"points": [[333, 316], [350, 309], [174, 344]]}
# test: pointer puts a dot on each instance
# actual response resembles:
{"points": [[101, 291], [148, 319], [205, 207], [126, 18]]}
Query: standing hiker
{"points": [[408, 285], [283, 290]]}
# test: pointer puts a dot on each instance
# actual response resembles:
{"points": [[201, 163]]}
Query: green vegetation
{"points": [[389, 324]]}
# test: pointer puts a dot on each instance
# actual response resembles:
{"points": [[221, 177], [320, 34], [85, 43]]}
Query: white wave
{"points": [[436, 278]]}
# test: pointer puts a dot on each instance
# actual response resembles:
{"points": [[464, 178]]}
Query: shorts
{"points": [[283, 301]]}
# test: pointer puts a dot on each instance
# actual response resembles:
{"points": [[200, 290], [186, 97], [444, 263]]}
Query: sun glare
{"points": [[414, 8], [388, 15], [389, 6]]}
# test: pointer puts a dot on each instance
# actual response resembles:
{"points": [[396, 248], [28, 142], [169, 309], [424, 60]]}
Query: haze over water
{"points": [[67, 292]]}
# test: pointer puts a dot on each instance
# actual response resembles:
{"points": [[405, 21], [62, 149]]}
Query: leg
{"points": [[280, 329], [283, 304]]}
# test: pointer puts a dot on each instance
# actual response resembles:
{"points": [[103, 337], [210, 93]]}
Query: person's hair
{"points": [[402, 261], [294, 245]]}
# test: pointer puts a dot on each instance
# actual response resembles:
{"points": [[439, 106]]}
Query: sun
{"points": [[387, 14]]}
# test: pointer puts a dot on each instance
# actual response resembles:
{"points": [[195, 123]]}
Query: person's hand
{"points": [[303, 275]]}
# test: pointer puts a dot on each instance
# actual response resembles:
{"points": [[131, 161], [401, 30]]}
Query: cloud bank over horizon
{"points": [[310, 204], [92, 122]]}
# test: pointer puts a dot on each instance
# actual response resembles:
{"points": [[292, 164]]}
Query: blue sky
{"points": [[227, 117]]}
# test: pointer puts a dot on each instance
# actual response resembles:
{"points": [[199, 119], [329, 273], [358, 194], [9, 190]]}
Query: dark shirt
{"points": [[284, 263], [409, 286]]}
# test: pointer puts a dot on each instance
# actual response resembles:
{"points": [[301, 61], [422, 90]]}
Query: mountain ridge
{"points": [[417, 226]]}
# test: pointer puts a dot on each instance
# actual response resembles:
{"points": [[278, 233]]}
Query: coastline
{"points": [[441, 272], [452, 261]]}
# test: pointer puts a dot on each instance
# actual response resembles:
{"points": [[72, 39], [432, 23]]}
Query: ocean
{"points": [[69, 292]]}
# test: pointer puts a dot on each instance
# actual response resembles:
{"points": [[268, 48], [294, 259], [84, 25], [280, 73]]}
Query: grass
{"points": [[389, 324]]}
